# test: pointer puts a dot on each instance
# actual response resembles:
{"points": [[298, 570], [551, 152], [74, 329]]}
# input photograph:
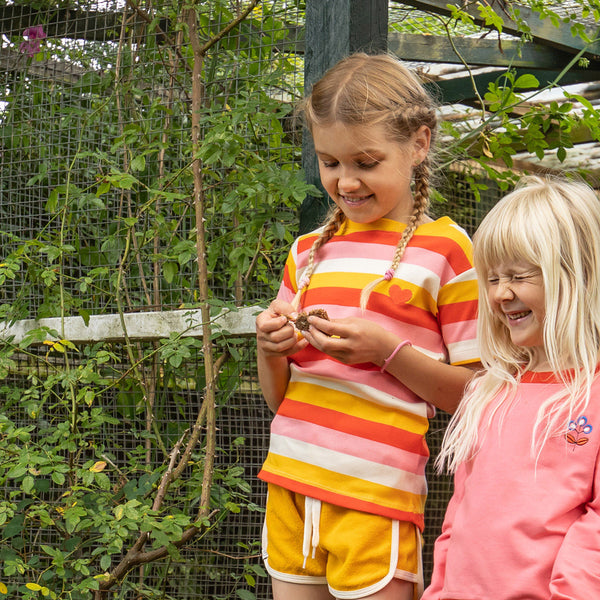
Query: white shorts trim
{"points": [[415, 578], [376, 587]]}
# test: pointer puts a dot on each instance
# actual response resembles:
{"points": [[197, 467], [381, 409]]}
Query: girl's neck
{"points": [[539, 361]]}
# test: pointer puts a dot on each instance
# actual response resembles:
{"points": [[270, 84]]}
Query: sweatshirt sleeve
{"points": [[440, 550], [576, 572]]}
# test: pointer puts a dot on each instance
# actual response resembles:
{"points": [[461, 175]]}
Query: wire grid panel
{"points": [[112, 431], [96, 151]]}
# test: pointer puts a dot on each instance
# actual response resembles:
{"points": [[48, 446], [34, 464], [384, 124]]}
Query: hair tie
{"points": [[389, 274], [304, 281]]}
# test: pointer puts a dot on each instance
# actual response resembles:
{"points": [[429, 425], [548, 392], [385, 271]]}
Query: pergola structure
{"points": [[461, 68]]}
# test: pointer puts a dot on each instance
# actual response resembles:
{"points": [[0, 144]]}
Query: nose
{"points": [[503, 291], [348, 181]]}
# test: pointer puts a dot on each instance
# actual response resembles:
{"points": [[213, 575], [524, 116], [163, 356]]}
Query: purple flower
{"points": [[33, 36], [35, 33]]}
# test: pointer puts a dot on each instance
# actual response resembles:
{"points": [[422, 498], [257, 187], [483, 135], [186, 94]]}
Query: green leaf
{"points": [[527, 81], [103, 188], [13, 527], [17, 471], [52, 202], [28, 484], [85, 315], [57, 477], [138, 163], [170, 270]]}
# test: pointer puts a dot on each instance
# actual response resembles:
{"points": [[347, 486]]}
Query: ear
{"points": [[421, 144]]}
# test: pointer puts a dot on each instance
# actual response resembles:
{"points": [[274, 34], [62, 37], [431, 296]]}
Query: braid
{"points": [[332, 225], [421, 203]]}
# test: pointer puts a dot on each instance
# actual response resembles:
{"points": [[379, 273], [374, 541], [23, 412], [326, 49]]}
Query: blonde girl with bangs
{"points": [[524, 443], [353, 393]]}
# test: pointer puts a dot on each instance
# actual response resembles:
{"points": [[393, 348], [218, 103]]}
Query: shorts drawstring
{"points": [[312, 517]]}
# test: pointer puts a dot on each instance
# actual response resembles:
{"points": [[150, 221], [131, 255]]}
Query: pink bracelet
{"points": [[388, 360]]}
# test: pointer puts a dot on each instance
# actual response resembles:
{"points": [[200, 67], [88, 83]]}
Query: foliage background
{"points": [[150, 162]]}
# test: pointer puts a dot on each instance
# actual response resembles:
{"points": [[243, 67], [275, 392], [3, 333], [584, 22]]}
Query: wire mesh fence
{"points": [[107, 148], [98, 215]]}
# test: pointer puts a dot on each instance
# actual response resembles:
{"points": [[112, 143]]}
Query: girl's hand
{"points": [[275, 335], [351, 340]]}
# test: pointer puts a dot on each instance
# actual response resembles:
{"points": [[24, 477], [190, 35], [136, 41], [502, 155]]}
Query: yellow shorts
{"points": [[355, 553]]}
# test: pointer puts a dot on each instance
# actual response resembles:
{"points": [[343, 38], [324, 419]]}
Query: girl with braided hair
{"points": [[354, 392]]}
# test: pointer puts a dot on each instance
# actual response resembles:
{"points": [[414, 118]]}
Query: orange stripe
{"points": [[341, 500], [369, 430], [379, 303], [459, 311]]}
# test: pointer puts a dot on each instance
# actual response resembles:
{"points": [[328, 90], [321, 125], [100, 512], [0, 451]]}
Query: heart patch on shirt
{"points": [[399, 295]]}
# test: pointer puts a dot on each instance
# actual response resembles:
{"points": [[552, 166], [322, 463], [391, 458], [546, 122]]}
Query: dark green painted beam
{"points": [[542, 30], [460, 89], [475, 51], [335, 29]]}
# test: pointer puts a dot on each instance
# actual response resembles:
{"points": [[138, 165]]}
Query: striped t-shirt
{"points": [[348, 434]]}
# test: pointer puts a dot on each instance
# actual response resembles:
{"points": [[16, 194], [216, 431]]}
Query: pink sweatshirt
{"points": [[522, 529]]}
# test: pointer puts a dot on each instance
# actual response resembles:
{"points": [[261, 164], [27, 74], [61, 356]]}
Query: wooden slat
{"points": [[475, 51], [460, 89], [542, 30]]}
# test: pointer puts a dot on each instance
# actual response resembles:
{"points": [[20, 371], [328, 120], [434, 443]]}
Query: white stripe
{"points": [[351, 466], [284, 425], [463, 351], [469, 275], [418, 275]]}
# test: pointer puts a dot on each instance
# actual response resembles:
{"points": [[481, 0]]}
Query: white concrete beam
{"points": [[139, 326]]}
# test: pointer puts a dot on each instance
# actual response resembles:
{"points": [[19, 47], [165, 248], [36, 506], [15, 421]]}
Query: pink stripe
{"points": [[427, 338], [422, 336], [349, 445], [459, 332], [331, 369], [422, 257]]}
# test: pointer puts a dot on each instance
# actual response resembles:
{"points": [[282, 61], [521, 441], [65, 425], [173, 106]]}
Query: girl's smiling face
{"points": [[366, 173], [515, 292]]}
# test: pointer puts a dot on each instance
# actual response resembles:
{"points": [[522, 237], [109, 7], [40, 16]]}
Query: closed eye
{"points": [[329, 164], [527, 275], [367, 165]]}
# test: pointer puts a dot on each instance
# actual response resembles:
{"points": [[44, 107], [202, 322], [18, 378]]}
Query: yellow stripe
{"points": [[339, 279], [344, 485], [333, 399], [461, 291]]}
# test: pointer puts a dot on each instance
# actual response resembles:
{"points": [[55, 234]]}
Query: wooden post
{"points": [[335, 29]]}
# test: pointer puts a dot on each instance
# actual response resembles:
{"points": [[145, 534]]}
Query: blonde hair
{"points": [[554, 224], [369, 90]]}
